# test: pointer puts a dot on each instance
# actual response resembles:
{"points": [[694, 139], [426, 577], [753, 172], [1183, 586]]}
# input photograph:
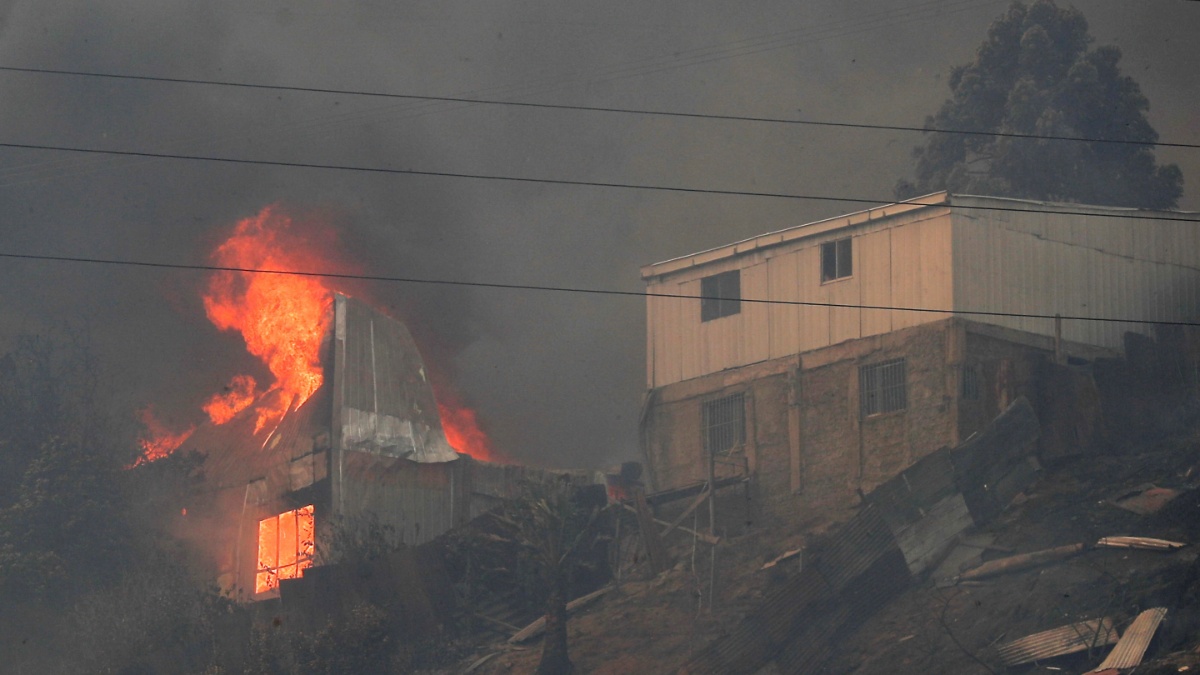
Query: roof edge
{"points": [[794, 232]]}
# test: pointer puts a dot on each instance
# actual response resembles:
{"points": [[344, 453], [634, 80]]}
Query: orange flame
{"points": [[463, 432], [282, 317], [159, 440], [237, 397]]}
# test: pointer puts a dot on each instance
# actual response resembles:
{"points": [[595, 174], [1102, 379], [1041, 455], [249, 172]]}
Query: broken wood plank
{"points": [[1143, 543], [1020, 562], [1059, 641], [706, 538], [535, 629], [782, 557], [1132, 647]]}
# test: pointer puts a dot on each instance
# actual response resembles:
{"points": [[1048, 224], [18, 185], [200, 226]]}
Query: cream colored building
{"points": [[860, 291]]}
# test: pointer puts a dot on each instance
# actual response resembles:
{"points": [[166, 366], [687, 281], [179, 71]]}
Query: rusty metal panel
{"points": [[1059, 641], [1132, 647], [386, 402]]}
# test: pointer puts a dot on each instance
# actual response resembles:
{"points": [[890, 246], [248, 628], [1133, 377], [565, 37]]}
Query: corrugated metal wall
{"points": [[1057, 263], [382, 397], [900, 262]]}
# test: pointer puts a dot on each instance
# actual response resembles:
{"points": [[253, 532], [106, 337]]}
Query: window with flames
{"points": [[285, 547]]}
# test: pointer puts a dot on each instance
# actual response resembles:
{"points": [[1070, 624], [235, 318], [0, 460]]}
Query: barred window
{"points": [[972, 388], [883, 387], [724, 423], [721, 295], [837, 261]]}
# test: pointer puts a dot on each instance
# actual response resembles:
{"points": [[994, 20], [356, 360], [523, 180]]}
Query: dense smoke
{"points": [[557, 377]]}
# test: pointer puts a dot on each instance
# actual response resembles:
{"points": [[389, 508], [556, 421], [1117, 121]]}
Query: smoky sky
{"points": [[558, 378]]}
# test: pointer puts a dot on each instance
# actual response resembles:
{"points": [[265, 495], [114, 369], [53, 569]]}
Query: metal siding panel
{"points": [[689, 344], [844, 322], [936, 291], [784, 320], [1059, 641], [875, 280], [814, 321], [668, 344], [906, 274], [1132, 646], [756, 327]]}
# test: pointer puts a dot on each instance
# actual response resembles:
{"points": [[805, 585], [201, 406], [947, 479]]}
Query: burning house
{"points": [[349, 434], [824, 392]]}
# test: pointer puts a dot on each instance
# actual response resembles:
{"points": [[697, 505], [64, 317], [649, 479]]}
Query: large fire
{"points": [[238, 396], [283, 319], [462, 430]]}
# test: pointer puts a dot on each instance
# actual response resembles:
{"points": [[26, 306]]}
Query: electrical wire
{"points": [[568, 289], [600, 109], [576, 183]]}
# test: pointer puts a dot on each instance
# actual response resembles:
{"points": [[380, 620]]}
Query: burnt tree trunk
{"points": [[555, 660]]}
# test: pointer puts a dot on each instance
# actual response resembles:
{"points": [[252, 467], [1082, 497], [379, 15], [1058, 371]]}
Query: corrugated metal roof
{"points": [[854, 548], [236, 455], [1132, 647], [1059, 641]]}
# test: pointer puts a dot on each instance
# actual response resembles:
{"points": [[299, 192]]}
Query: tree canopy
{"points": [[1036, 73]]}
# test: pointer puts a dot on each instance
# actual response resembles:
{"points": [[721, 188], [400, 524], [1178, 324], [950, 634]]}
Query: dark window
{"points": [[724, 423], [720, 295], [971, 383], [836, 260], [882, 387]]}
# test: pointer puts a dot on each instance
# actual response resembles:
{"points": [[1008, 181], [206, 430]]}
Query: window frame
{"points": [[268, 575], [881, 390], [723, 423], [720, 295], [835, 255]]}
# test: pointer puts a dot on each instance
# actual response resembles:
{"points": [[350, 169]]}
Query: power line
{"points": [[583, 108], [672, 60], [565, 289], [564, 181]]}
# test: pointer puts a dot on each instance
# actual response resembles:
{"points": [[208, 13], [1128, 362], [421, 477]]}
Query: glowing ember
{"points": [[282, 317], [159, 441], [462, 430], [285, 547], [237, 397]]}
